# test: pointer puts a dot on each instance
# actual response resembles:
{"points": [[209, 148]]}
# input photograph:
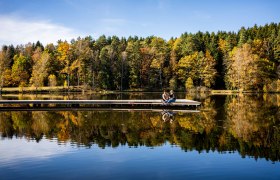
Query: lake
{"points": [[229, 136]]}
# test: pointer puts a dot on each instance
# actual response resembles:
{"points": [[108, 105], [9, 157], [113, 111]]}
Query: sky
{"points": [[23, 21]]}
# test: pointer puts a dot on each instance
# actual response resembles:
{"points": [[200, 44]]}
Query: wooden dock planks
{"points": [[119, 109], [181, 102]]}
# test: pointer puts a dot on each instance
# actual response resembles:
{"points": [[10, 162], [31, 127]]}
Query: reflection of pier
{"points": [[151, 103]]}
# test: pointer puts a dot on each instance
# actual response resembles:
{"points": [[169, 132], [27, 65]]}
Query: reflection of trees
{"points": [[39, 125], [251, 127], [197, 130], [6, 125], [22, 123], [200, 122], [254, 122]]}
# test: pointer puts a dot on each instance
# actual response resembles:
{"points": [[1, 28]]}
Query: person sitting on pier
{"points": [[165, 96], [172, 97]]}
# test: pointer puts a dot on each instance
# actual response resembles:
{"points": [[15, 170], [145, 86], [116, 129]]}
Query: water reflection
{"points": [[248, 124], [253, 121], [20, 149], [167, 115]]}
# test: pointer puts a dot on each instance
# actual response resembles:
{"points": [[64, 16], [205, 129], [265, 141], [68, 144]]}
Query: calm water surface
{"points": [[235, 136]]}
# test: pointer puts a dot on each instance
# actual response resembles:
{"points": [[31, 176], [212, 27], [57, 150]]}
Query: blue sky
{"points": [[23, 21]]}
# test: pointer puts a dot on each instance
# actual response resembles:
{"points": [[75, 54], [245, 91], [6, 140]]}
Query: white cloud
{"points": [[15, 30]]}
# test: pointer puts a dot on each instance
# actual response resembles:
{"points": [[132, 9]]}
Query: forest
{"points": [[247, 60]]}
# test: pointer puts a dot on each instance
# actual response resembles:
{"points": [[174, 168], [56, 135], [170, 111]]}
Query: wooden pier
{"points": [[98, 103], [118, 109]]}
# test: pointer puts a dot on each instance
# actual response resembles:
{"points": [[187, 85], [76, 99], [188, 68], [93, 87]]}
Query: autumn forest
{"points": [[245, 60]]}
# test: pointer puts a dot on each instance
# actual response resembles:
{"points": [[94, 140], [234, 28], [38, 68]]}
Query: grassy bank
{"points": [[222, 92], [40, 89], [225, 92]]}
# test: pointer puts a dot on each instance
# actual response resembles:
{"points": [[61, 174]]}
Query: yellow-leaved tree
{"points": [[199, 67], [246, 69], [39, 70], [63, 55]]}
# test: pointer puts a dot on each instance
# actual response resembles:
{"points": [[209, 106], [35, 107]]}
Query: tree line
{"points": [[245, 60]]}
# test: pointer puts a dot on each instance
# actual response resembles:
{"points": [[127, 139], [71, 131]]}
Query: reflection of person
{"points": [[172, 97], [165, 96], [167, 116]]}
